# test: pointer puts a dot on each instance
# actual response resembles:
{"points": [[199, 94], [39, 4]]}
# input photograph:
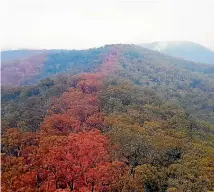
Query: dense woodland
{"points": [[118, 118]]}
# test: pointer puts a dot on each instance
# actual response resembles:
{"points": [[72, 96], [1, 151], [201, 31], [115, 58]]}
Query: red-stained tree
{"points": [[79, 161]]}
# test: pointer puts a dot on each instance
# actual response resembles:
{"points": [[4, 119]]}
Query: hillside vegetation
{"points": [[118, 118]]}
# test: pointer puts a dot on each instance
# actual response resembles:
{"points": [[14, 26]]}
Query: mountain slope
{"points": [[132, 122], [183, 49], [189, 84], [50, 62]]}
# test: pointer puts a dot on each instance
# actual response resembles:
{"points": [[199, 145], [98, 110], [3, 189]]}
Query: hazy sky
{"points": [[83, 24]]}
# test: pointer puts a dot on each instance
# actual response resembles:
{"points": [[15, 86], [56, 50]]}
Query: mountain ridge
{"points": [[46, 63]]}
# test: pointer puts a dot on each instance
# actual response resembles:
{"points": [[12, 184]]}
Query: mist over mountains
{"points": [[183, 49]]}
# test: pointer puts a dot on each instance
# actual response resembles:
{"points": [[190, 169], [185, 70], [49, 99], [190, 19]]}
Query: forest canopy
{"points": [[117, 118]]}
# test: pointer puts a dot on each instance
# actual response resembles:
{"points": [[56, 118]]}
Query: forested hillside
{"points": [[118, 118], [51, 62]]}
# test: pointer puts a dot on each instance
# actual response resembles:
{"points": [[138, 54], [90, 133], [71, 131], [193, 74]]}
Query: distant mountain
{"points": [[183, 49]]}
